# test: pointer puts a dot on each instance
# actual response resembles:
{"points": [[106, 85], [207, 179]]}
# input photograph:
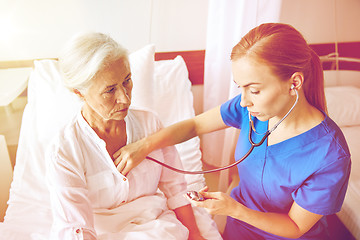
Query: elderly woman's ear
{"points": [[78, 93]]}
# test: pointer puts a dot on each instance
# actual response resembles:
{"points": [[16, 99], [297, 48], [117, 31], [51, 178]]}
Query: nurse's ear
{"points": [[296, 81]]}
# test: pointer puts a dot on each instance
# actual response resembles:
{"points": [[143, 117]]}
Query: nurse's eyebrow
{"points": [[253, 83], [247, 85]]}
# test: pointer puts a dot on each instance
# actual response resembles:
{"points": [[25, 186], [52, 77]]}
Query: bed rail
{"points": [[346, 56]]}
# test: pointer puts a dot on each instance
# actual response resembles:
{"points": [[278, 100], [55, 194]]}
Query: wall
{"points": [[39, 28], [324, 21]]}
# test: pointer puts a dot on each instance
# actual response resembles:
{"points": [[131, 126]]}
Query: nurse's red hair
{"points": [[285, 51]]}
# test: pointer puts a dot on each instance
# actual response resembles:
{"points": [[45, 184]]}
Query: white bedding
{"points": [[139, 223], [343, 100], [50, 106], [350, 212]]}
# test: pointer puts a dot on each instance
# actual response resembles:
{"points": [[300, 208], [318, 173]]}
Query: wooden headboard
{"points": [[195, 59]]}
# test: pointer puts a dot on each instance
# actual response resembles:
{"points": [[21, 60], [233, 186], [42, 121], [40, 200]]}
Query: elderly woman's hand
{"points": [[129, 156]]}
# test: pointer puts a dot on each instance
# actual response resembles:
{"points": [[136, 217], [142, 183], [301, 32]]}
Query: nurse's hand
{"points": [[129, 156], [216, 203]]}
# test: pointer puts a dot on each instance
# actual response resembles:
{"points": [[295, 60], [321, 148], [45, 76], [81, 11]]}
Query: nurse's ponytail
{"points": [[285, 51], [314, 89]]}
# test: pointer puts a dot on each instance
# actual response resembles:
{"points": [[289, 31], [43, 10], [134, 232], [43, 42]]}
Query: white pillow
{"points": [[52, 104], [341, 78], [343, 104], [164, 87], [142, 71], [170, 96]]}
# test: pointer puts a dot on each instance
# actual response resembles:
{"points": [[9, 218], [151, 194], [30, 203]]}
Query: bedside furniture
{"points": [[6, 173], [13, 82]]}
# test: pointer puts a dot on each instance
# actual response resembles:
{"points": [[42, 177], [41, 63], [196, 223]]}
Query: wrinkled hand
{"points": [[216, 203], [129, 156]]}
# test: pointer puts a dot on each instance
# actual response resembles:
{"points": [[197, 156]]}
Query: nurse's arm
{"points": [[292, 225], [206, 122], [132, 154]]}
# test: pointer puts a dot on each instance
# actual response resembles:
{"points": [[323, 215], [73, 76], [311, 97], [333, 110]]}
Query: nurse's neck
{"points": [[303, 118]]}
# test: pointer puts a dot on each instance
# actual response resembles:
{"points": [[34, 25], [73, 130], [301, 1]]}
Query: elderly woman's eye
{"points": [[110, 90], [127, 81]]}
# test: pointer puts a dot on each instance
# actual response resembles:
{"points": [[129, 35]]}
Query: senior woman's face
{"points": [[109, 96]]}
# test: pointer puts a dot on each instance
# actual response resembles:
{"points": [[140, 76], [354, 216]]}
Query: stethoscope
{"points": [[253, 144]]}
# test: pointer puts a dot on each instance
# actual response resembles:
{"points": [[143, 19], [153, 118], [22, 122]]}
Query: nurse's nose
{"points": [[245, 102]]}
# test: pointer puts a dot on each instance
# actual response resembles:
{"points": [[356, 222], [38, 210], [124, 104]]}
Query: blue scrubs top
{"points": [[311, 169]]}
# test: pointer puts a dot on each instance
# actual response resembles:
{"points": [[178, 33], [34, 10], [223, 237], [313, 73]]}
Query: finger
{"points": [[116, 160], [126, 169], [204, 189], [119, 157], [211, 195], [196, 203], [117, 153], [121, 165]]}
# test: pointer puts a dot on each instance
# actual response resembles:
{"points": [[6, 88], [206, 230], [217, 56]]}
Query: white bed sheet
{"points": [[342, 90], [350, 212]]}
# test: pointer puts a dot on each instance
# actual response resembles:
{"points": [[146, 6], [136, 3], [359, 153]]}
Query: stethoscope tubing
{"points": [[253, 145]]}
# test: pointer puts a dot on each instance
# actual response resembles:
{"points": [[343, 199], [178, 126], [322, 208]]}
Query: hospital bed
{"points": [[161, 86]]}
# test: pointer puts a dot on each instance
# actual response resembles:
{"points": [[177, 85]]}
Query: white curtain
{"points": [[228, 21]]}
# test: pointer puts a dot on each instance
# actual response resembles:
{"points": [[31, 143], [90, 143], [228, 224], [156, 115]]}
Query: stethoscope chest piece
{"points": [[193, 195]]}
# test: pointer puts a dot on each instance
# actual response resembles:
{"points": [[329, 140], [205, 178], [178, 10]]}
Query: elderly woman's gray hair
{"points": [[87, 54]]}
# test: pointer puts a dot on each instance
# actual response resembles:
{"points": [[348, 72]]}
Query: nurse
{"points": [[300, 173]]}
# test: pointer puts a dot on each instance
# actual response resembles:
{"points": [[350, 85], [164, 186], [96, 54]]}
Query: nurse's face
{"points": [[263, 93], [109, 95]]}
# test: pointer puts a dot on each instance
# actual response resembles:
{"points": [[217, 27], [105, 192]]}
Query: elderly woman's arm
{"points": [[186, 216], [174, 186]]}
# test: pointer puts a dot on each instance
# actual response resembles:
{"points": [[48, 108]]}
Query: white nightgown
{"points": [[91, 199]]}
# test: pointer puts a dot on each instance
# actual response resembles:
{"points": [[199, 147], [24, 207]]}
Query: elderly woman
{"points": [[90, 198]]}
